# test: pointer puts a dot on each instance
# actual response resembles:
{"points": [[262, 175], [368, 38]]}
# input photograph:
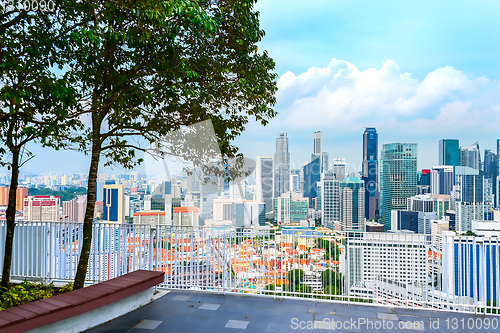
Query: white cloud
{"points": [[342, 97]]}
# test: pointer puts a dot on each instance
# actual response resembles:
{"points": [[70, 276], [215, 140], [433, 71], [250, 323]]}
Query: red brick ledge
{"points": [[36, 314]]}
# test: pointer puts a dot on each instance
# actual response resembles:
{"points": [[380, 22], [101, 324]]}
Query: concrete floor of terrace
{"points": [[190, 312]]}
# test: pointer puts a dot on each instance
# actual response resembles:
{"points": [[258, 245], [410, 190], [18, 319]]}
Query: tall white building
{"points": [[241, 213], [318, 149], [330, 201], [237, 189], [281, 165], [396, 257], [339, 168], [318, 143]]}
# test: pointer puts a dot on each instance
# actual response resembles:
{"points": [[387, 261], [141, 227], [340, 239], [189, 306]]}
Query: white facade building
{"points": [[397, 257]]}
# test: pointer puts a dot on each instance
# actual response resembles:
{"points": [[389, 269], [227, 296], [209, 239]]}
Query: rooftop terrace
{"points": [[190, 311]]}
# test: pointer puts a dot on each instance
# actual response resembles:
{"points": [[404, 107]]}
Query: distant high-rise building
{"points": [[424, 177], [318, 151], [294, 181], [325, 165], [237, 189], [442, 179], [498, 156], [289, 208], [264, 180], [209, 192], [193, 181], [312, 175], [281, 165], [497, 185], [339, 168], [99, 190], [74, 210], [449, 152], [41, 208], [352, 204], [113, 203], [473, 195], [404, 220], [470, 156], [491, 168], [4, 196], [490, 163], [239, 213], [318, 143], [370, 172], [398, 178], [330, 206], [21, 193], [186, 216]]}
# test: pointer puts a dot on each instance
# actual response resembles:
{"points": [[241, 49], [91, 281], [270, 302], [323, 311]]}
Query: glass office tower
{"points": [[398, 178], [449, 152], [370, 172]]}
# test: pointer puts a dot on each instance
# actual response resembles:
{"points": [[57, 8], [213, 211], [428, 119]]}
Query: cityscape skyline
{"points": [[427, 156]]}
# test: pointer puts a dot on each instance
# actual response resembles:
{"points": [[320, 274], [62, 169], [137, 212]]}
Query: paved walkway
{"points": [[187, 311]]}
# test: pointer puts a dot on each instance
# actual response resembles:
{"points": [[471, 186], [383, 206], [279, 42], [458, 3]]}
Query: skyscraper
{"points": [[289, 208], [398, 178], [281, 165], [497, 181], [312, 175], [352, 207], [330, 206], [491, 168], [325, 165], [498, 156], [318, 143], [490, 163], [370, 172], [113, 203], [449, 152], [318, 151], [264, 182], [473, 195], [470, 156], [339, 168], [442, 179]]}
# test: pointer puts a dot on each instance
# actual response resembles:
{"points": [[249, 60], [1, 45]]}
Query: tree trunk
{"points": [[10, 216], [81, 271]]}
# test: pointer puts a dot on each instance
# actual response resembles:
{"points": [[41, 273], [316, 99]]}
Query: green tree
{"points": [[331, 290], [330, 277], [33, 100], [304, 289], [295, 276], [332, 249], [147, 68], [470, 233]]}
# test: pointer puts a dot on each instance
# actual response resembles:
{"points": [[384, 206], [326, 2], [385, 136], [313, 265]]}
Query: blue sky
{"points": [[418, 71]]}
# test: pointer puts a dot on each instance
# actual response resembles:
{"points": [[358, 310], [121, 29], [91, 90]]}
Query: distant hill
{"points": [[67, 195]]}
